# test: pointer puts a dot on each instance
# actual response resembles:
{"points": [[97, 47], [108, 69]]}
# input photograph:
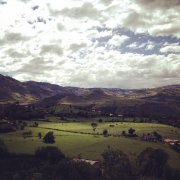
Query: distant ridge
{"points": [[12, 90]]}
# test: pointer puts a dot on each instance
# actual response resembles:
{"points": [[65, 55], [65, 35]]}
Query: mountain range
{"points": [[160, 100], [12, 90]]}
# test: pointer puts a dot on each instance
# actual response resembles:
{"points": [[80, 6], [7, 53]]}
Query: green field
{"points": [[91, 146]]}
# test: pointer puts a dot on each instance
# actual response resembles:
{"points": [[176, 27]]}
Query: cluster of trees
{"points": [[50, 163], [16, 111], [130, 133]]}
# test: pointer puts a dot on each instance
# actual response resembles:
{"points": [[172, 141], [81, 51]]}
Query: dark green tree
{"points": [[49, 138], [152, 162], [116, 165], [40, 135], [105, 132], [94, 126], [131, 131], [50, 153]]}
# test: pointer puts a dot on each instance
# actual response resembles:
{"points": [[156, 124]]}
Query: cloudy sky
{"points": [[91, 43]]}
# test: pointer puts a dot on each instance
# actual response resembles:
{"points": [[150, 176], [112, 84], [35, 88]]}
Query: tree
{"points": [[39, 135], [3, 149], [157, 135], [50, 153], [116, 165], [49, 138], [68, 170], [152, 162], [105, 132], [131, 131], [123, 133], [36, 124], [176, 147], [94, 126]]}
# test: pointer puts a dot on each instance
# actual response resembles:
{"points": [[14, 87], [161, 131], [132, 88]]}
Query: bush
{"points": [[49, 138]]}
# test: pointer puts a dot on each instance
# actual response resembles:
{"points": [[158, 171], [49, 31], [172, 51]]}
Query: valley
{"points": [[86, 122], [79, 139]]}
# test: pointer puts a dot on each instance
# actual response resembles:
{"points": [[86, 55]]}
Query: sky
{"points": [[91, 43]]}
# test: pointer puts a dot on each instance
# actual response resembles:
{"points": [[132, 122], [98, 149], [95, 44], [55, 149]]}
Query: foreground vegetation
{"points": [[49, 163]]}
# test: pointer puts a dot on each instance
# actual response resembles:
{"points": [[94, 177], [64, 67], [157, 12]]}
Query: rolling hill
{"points": [[29, 92]]}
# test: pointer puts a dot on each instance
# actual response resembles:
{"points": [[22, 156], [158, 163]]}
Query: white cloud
{"points": [[170, 49], [59, 42], [117, 40], [150, 45], [133, 45]]}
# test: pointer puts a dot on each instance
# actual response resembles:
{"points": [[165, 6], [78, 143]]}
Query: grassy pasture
{"points": [[90, 146], [164, 130]]}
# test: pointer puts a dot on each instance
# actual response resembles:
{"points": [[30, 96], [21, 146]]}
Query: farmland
{"points": [[78, 138]]}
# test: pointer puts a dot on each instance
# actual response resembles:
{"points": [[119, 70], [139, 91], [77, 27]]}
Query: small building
{"points": [[95, 164], [149, 137], [110, 114], [170, 141], [7, 126]]}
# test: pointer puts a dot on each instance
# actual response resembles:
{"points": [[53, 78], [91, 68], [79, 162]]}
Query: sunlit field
{"points": [[79, 139]]}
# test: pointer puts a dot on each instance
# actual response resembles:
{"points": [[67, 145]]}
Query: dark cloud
{"points": [[13, 53], [35, 7], [51, 48], [106, 2], [76, 47], [135, 19], [172, 29], [41, 19], [25, 1], [36, 66], [86, 10], [2, 2], [158, 17], [11, 37], [60, 27], [158, 4]]}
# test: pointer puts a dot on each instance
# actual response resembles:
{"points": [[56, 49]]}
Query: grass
{"points": [[90, 146], [164, 130]]}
